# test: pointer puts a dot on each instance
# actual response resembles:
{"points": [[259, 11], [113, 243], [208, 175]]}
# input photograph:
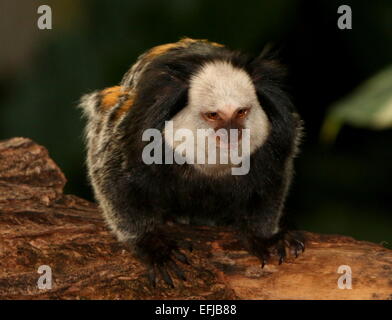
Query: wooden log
{"points": [[39, 225]]}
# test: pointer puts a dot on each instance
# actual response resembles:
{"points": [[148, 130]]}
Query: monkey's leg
{"points": [[262, 230], [160, 253], [279, 244], [138, 222]]}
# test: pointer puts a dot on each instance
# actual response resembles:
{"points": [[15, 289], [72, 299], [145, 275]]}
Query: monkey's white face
{"points": [[222, 96]]}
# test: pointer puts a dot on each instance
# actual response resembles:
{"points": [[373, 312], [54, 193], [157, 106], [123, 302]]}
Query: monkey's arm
{"points": [[261, 224], [123, 190], [133, 215]]}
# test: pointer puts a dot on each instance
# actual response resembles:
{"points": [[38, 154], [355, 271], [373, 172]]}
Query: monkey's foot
{"points": [[160, 254], [292, 242]]}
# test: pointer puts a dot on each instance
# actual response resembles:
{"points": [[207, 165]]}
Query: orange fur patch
{"points": [[156, 51], [127, 104], [110, 97], [183, 43]]}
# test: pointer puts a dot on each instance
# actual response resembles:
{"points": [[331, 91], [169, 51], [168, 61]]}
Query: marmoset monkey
{"points": [[192, 85]]}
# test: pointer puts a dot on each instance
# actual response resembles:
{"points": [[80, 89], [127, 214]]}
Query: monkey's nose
{"points": [[229, 140], [234, 133], [239, 135]]}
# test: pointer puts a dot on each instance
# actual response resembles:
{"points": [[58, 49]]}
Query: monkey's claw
{"points": [[263, 256], [160, 254], [164, 269], [282, 244]]}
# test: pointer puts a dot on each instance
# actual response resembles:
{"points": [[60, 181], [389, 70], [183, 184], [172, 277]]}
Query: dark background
{"points": [[344, 187]]}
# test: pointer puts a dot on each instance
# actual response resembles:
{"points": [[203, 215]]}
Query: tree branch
{"points": [[39, 225]]}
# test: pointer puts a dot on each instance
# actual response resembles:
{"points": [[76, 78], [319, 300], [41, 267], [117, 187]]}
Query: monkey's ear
{"points": [[172, 98], [267, 70], [269, 77], [161, 96]]}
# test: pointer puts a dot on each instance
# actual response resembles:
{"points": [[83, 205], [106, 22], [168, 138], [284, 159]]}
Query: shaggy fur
{"points": [[137, 199]]}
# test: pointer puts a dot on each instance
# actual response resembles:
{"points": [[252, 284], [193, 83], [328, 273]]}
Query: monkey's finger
{"points": [[298, 239], [263, 256], [165, 276], [298, 245], [281, 250], [296, 248], [177, 271], [296, 252], [288, 243], [296, 242], [187, 245], [151, 275], [264, 261], [181, 257]]}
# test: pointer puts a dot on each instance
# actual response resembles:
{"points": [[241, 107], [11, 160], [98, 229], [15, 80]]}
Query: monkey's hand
{"points": [[284, 242], [159, 253]]}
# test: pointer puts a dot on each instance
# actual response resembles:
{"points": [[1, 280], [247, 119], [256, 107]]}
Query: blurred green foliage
{"points": [[345, 188], [369, 106]]}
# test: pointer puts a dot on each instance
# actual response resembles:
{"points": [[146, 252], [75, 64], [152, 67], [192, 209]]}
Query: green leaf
{"points": [[368, 106]]}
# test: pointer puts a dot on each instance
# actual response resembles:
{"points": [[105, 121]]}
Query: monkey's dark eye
{"points": [[213, 116], [242, 113]]}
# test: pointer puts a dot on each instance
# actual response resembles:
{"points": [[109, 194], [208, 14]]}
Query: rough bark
{"points": [[39, 225]]}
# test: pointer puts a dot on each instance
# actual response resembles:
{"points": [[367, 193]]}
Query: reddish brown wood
{"points": [[39, 225]]}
